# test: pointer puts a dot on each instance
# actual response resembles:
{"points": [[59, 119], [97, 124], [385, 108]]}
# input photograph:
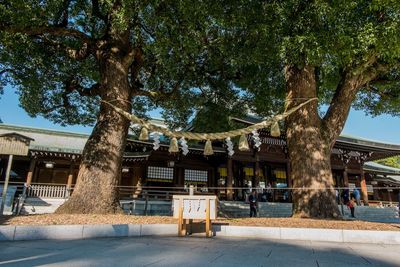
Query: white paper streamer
{"points": [[229, 145], [185, 148], [256, 139], [156, 141]]}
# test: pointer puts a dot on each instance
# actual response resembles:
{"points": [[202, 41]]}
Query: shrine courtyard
{"points": [[195, 251]]}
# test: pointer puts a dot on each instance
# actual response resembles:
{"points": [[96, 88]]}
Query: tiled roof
{"points": [[373, 166]]}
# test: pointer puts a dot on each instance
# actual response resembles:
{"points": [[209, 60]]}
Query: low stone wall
{"points": [[69, 232]]}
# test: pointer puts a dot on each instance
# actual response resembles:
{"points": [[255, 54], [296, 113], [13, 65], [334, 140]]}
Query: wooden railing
{"points": [[48, 191]]}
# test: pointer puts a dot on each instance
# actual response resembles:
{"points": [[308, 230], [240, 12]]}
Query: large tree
{"points": [[341, 52], [68, 58]]}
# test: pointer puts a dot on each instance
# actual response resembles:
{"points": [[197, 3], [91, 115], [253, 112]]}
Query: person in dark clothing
{"points": [[398, 199], [346, 196], [253, 204]]}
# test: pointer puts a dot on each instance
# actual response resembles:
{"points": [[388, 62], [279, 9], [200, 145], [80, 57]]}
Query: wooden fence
{"points": [[48, 191]]}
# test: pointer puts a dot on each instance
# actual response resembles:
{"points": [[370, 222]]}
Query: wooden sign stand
{"points": [[183, 223]]}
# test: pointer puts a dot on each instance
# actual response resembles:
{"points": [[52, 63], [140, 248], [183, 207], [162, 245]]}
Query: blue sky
{"points": [[381, 128]]}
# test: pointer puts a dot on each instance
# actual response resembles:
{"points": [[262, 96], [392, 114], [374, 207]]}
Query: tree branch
{"points": [[382, 94], [346, 91], [4, 71], [51, 30], [78, 54], [63, 15], [96, 11], [160, 94], [74, 84], [137, 64]]}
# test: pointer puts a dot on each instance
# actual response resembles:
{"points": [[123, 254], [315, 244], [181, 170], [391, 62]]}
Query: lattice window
{"points": [[196, 176], [161, 174]]}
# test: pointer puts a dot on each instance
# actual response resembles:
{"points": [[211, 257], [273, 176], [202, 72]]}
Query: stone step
{"points": [[36, 205], [279, 210]]}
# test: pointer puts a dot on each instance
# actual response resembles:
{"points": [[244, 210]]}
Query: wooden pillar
{"points": [[389, 194], [376, 192], [289, 180], [208, 221], [70, 175], [181, 178], [345, 177], [257, 172], [229, 179], [289, 176], [211, 177], [7, 178], [29, 176], [364, 191]]}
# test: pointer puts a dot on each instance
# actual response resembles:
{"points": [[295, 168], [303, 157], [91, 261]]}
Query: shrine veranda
{"points": [[51, 167]]}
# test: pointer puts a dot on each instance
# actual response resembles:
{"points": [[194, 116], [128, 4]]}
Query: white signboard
{"points": [[194, 207], [352, 186], [9, 199], [370, 188]]}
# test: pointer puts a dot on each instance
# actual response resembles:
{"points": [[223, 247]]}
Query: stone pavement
{"points": [[194, 251]]}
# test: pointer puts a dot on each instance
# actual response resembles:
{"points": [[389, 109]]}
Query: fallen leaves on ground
{"points": [[63, 219]]}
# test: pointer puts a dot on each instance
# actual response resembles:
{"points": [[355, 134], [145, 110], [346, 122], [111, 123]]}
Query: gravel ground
{"points": [[60, 219]]}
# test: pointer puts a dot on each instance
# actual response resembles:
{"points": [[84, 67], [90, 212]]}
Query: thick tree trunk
{"points": [[309, 150], [96, 188]]}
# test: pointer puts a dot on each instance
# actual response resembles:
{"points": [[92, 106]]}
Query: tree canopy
{"points": [[48, 52], [336, 37], [391, 162]]}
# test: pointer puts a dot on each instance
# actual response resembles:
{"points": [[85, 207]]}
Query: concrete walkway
{"points": [[194, 251]]}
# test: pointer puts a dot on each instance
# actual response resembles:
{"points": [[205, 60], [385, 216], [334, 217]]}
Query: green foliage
{"points": [[225, 57], [391, 162], [333, 36], [179, 43]]}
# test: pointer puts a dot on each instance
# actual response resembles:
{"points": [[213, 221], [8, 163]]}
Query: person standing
{"points": [[398, 199], [253, 204], [351, 204], [346, 196], [269, 192], [357, 196]]}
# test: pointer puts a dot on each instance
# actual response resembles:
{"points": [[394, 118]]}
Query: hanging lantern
{"points": [[275, 131], [243, 144], [208, 150], [173, 146], [144, 134]]}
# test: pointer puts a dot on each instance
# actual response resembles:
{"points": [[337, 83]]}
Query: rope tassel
{"points": [[243, 143], [144, 134], [275, 131], [208, 150], [173, 146]]}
